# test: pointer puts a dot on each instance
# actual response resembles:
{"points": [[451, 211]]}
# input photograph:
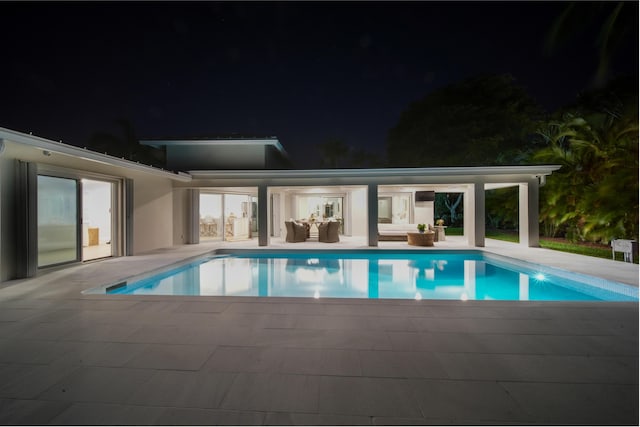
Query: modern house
{"points": [[64, 204]]}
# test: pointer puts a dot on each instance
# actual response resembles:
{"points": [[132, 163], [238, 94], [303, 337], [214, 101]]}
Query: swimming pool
{"points": [[458, 275]]}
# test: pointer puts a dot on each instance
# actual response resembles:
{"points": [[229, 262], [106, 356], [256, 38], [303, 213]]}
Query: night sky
{"points": [[304, 72]]}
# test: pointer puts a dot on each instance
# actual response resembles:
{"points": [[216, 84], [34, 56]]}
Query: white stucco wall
{"points": [[181, 205], [153, 214], [359, 209], [423, 213]]}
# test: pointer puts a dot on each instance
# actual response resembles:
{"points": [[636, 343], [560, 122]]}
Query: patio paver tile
{"points": [[367, 397], [299, 419], [30, 351], [29, 412], [245, 359], [273, 392], [187, 416], [98, 384], [471, 401], [356, 340], [590, 404], [81, 413], [183, 389], [321, 362], [28, 382], [171, 356], [401, 364], [548, 368]]}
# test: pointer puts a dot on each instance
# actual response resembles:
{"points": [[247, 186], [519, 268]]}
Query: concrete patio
{"points": [[68, 358]]}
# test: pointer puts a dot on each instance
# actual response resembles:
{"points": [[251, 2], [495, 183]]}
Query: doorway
{"points": [[97, 219]]}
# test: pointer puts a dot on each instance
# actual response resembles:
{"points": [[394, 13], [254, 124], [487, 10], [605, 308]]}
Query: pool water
{"points": [[469, 275]]}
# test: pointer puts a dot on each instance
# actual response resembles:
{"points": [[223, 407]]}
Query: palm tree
{"points": [[594, 196], [615, 23]]}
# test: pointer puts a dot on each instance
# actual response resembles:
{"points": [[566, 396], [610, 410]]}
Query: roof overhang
{"points": [[382, 176], [157, 143], [8, 136]]}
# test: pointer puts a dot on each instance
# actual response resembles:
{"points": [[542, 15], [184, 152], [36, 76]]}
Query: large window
{"points": [[57, 220]]}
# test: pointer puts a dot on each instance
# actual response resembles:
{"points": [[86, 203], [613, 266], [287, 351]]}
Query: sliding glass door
{"points": [[57, 220], [77, 219]]}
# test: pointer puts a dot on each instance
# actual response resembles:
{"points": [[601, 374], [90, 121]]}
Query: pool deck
{"points": [[68, 358]]}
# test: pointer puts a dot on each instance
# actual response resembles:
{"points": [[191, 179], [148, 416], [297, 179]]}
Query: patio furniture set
{"points": [[327, 232]]}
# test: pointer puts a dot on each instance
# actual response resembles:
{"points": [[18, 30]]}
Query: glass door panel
{"points": [[211, 217], [97, 220], [320, 208], [332, 209], [237, 214], [57, 220]]}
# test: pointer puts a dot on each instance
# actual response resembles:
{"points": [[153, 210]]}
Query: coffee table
{"points": [[421, 239]]}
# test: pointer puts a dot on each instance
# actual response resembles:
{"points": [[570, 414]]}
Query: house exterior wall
{"points": [[423, 213], [152, 214], [203, 157], [181, 202], [152, 198]]}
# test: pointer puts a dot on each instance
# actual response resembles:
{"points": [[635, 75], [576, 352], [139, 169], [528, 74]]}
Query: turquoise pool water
{"points": [[469, 275]]}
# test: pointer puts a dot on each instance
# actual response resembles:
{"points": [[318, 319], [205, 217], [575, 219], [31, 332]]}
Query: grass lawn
{"points": [[558, 244]]}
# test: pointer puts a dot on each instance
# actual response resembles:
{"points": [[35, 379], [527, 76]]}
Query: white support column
{"points": [[528, 216], [263, 215], [468, 220], [193, 220], [478, 209], [372, 220]]}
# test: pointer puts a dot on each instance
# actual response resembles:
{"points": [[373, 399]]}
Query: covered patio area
{"points": [[359, 192]]}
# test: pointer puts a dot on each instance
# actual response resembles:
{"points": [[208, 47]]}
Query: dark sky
{"points": [[305, 72]]}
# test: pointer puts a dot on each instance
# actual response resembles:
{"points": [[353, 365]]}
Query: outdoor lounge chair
{"points": [[295, 232], [328, 232]]}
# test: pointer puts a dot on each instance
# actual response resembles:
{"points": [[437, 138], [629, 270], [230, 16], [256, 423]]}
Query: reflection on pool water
{"points": [[376, 274]]}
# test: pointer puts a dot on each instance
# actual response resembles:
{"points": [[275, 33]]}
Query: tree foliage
{"points": [[594, 196], [615, 22], [484, 120], [449, 207], [335, 153]]}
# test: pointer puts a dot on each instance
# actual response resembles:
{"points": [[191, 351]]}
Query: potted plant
{"points": [[421, 228], [440, 222]]}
